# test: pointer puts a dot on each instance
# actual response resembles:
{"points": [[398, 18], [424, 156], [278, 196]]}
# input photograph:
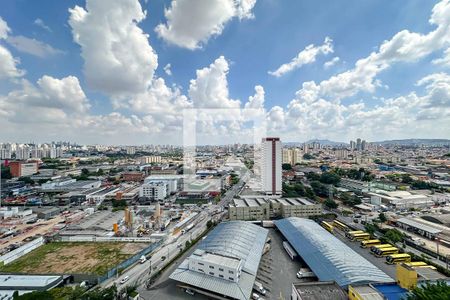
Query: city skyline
{"points": [[128, 81]]}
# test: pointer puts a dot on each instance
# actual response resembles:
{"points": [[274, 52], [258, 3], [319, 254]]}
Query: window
{"points": [[211, 267], [201, 270], [231, 278], [211, 273], [220, 269], [220, 275], [231, 272], [201, 264]]}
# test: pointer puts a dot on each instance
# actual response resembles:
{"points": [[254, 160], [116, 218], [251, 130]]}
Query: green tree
{"points": [[330, 203], [6, 172], [307, 156], [382, 217], [393, 235], [319, 189], [429, 291], [330, 178], [27, 180], [286, 166]]}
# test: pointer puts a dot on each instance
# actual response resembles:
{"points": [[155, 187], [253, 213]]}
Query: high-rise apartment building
{"points": [[271, 166]]}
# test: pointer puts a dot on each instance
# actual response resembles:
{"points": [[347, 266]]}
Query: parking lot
{"points": [[277, 271], [380, 262]]}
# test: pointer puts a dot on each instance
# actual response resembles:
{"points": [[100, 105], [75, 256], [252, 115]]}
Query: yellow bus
{"points": [[327, 226], [417, 264], [340, 225], [368, 243], [398, 258], [386, 251], [420, 264], [376, 247], [360, 237], [349, 234]]}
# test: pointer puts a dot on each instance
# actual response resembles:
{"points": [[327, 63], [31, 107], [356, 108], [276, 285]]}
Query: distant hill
{"points": [[322, 142], [412, 142]]}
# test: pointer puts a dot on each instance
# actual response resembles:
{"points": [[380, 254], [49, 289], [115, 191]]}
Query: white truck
{"points": [[305, 273], [143, 259], [259, 287]]}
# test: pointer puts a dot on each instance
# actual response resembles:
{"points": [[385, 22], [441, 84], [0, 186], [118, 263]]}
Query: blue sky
{"points": [[269, 34]]}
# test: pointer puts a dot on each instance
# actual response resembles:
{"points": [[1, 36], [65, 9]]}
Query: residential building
{"points": [[271, 166]]}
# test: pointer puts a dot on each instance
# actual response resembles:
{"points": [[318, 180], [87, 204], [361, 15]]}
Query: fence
{"points": [[125, 264], [21, 251], [81, 238]]}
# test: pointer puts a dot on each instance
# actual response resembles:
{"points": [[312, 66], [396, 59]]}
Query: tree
{"points": [[6, 172], [308, 156], [85, 171], [430, 291], [27, 180], [393, 235], [286, 167], [370, 228], [319, 189], [330, 203], [330, 178], [382, 217]]}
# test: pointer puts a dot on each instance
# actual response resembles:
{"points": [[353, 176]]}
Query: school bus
{"points": [[386, 251], [376, 247], [360, 237], [420, 264], [349, 234], [368, 243], [340, 225], [398, 258], [327, 226]]}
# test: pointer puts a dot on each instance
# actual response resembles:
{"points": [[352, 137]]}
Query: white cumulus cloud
{"points": [[304, 57], [190, 23]]}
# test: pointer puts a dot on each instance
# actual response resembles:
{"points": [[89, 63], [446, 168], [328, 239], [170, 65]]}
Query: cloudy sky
{"points": [[124, 71]]}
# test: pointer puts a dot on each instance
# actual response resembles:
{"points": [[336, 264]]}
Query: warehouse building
{"points": [[27, 284], [418, 228], [265, 208], [327, 256], [401, 199], [317, 290], [225, 263]]}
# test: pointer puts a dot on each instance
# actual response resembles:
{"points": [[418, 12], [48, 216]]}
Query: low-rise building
{"points": [[154, 190], [265, 208], [401, 199], [21, 168], [317, 291]]}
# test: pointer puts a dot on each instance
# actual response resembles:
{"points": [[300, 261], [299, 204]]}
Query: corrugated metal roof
{"points": [[418, 225], [235, 238], [328, 257]]}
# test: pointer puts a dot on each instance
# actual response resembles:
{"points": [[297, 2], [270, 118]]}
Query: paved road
{"points": [[139, 273]]}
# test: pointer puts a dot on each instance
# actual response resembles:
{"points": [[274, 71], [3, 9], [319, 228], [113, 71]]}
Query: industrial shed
{"points": [[328, 257], [229, 240]]}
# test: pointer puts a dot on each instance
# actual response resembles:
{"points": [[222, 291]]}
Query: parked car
{"points": [[190, 292], [125, 279]]}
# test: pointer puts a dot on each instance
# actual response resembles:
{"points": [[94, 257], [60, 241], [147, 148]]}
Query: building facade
{"points": [[271, 166], [20, 169]]}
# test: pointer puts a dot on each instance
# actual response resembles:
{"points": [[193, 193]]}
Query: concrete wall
{"points": [[21, 251]]}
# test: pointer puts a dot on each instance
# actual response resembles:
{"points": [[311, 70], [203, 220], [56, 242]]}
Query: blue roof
{"points": [[327, 256], [391, 291]]}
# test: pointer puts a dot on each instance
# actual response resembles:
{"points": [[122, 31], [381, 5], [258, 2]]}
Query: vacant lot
{"points": [[65, 257]]}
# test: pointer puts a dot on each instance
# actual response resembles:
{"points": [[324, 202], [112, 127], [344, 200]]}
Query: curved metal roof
{"points": [[327, 256], [238, 239]]}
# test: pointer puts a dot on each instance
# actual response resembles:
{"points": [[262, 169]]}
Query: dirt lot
{"points": [[31, 230], [90, 258]]}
